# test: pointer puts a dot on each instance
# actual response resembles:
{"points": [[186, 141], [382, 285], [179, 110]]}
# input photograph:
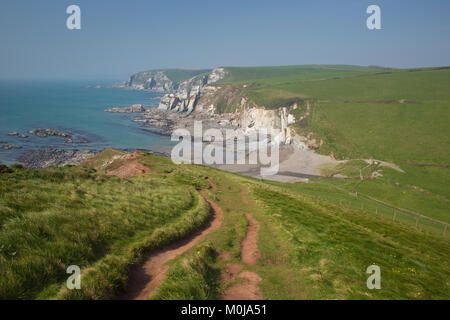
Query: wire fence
{"points": [[400, 215]]}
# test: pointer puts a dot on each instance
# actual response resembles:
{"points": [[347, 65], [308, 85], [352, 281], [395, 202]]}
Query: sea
{"points": [[75, 107]]}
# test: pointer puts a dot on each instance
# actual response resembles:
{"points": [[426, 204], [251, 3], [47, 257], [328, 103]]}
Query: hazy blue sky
{"points": [[121, 37]]}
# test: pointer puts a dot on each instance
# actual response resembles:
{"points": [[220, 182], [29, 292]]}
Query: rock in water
{"points": [[10, 146], [135, 108], [43, 133]]}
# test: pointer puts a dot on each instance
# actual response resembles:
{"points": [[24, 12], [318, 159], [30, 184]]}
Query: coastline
{"points": [[65, 147]]}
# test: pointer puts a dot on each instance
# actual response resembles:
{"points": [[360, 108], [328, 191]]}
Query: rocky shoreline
{"points": [[49, 156], [199, 98], [167, 122]]}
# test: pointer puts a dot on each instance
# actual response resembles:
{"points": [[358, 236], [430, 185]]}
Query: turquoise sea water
{"points": [[65, 105]]}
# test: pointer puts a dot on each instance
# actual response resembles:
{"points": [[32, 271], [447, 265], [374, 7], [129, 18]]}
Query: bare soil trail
{"points": [[249, 250], [247, 288], [146, 277]]}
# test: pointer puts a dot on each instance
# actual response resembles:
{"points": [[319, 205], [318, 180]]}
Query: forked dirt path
{"points": [[145, 278], [247, 286]]}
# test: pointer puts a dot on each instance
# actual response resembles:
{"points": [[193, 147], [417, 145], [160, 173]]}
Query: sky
{"points": [[118, 37]]}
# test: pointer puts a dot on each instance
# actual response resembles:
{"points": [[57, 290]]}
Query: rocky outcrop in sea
{"points": [[9, 146], [17, 134], [68, 137], [44, 133]]}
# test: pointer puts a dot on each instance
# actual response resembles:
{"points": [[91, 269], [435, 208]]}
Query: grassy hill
{"points": [[394, 115], [310, 247], [276, 73]]}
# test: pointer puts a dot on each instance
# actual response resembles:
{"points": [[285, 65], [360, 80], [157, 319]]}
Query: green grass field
{"points": [[311, 247], [394, 115]]}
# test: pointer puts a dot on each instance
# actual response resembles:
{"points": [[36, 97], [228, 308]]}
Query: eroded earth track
{"points": [[146, 277], [246, 287]]}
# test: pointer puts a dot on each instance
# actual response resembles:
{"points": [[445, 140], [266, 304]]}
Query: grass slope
{"points": [[180, 75], [311, 247], [56, 217], [275, 73], [400, 116], [363, 113]]}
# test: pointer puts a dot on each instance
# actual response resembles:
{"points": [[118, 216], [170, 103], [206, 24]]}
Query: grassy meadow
{"points": [[396, 115]]}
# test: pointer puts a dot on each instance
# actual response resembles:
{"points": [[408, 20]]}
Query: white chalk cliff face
{"points": [[216, 75], [276, 122], [188, 92]]}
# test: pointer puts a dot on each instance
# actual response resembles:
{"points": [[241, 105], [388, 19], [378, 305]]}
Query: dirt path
{"points": [[249, 249], [247, 286], [145, 278]]}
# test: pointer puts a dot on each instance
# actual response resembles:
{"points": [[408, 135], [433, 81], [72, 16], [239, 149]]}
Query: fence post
{"points": [[445, 229], [395, 213], [417, 222], [376, 210]]}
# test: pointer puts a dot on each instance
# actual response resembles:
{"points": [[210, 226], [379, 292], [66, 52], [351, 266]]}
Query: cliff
{"points": [[188, 92], [162, 80], [203, 93]]}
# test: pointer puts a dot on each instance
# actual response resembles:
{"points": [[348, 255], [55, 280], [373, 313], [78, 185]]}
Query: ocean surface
{"points": [[70, 107]]}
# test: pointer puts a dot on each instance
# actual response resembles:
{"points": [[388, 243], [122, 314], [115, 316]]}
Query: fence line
{"points": [[417, 215]]}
